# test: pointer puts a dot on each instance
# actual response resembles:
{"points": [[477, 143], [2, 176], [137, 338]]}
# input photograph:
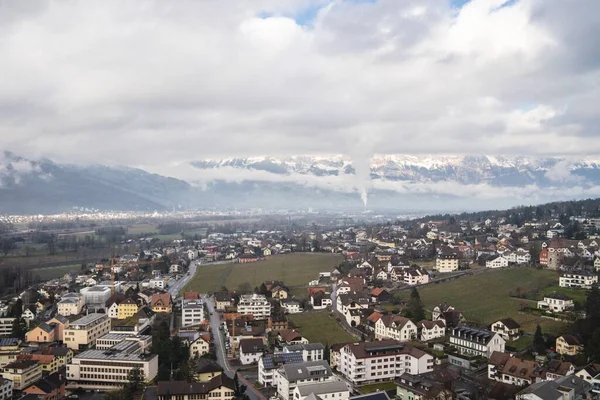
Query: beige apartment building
{"points": [[82, 334], [22, 373]]}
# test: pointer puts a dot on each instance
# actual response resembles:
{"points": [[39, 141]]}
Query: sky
{"points": [[158, 84]]}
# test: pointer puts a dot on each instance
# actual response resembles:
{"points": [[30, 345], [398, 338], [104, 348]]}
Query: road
{"points": [[174, 290], [218, 339]]}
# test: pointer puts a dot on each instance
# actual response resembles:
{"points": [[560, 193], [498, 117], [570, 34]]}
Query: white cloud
{"points": [[151, 83]]}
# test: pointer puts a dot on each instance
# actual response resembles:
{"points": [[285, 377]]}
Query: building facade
{"points": [[83, 333]]}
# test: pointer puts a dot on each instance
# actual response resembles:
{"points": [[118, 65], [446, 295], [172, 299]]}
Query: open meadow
{"points": [[294, 269], [319, 327], [484, 298]]}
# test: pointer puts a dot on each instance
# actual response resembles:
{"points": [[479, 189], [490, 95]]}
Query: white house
{"points": [[337, 390], [508, 328], [447, 262], [395, 327], [579, 280], [415, 276], [290, 306], [254, 304], [251, 350], [366, 362], [497, 262], [70, 304], [320, 301], [476, 342], [290, 376], [429, 330], [556, 302], [309, 351]]}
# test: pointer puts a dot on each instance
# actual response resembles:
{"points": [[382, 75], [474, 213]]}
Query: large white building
{"points": [[578, 280], [556, 302], [447, 262], [108, 369], [112, 339], [70, 304], [290, 376], [193, 312], [269, 363], [380, 361], [309, 351], [395, 327], [476, 342], [95, 296], [6, 327], [497, 262], [256, 305]]}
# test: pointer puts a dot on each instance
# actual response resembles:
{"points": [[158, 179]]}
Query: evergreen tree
{"points": [[593, 346], [240, 390], [415, 306], [19, 328], [539, 344], [17, 309], [592, 308]]}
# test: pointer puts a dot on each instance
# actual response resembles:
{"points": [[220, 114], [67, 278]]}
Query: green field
{"points": [[207, 278], [54, 272], [319, 327], [293, 269], [484, 298], [142, 229]]}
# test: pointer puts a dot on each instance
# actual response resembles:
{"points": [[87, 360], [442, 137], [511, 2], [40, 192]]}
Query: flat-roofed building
{"points": [[83, 333], [108, 369], [111, 339], [192, 312], [289, 376]]}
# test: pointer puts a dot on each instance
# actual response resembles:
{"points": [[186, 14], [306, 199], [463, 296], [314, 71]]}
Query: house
{"points": [[205, 369], [380, 295], [223, 300], [447, 262], [564, 388], [323, 390], [44, 333], [597, 264], [590, 373], [432, 385], [70, 304], [451, 319], [569, 345], [127, 308], [503, 367], [268, 363], [28, 315], [277, 323], [439, 310], [395, 327], [251, 350], [556, 302], [365, 362], [279, 293], [289, 376], [112, 304], [82, 333], [220, 387], [557, 369], [161, 303], [290, 336], [544, 255], [290, 306], [476, 342], [508, 328], [50, 387], [429, 330], [61, 323], [497, 262], [415, 276], [309, 351], [200, 346], [578, 280], [320, 301]]}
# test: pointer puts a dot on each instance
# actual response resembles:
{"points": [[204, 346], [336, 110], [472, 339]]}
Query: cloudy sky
{"points": [[152, 83]]}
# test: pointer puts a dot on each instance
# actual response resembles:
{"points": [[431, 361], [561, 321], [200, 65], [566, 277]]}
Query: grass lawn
{"points": [[293, 269], [207, 278], [141, 229], [484, 298], [521, 343], [319, 327], [377, 386], [54, 272]]}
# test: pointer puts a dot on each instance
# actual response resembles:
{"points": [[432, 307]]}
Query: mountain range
{"points": [[393, 182]]}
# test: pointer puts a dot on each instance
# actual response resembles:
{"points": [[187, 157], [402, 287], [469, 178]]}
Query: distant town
{"points": [[302, 305]]}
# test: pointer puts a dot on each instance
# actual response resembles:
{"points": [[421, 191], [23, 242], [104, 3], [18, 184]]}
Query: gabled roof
{"points": [[510, 323], [251, 346], [180, 388]]}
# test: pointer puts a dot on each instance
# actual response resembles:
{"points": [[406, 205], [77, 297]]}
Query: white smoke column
{"points": [[361, 154]]}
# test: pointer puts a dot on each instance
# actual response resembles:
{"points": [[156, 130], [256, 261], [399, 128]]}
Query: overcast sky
{"points": [[149, 83]]}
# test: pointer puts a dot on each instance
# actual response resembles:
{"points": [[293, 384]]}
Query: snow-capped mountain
{"points": [[466, 170]]}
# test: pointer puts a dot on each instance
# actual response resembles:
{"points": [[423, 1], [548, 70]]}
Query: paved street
{"points": [[174, 290], [215, 322]]}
